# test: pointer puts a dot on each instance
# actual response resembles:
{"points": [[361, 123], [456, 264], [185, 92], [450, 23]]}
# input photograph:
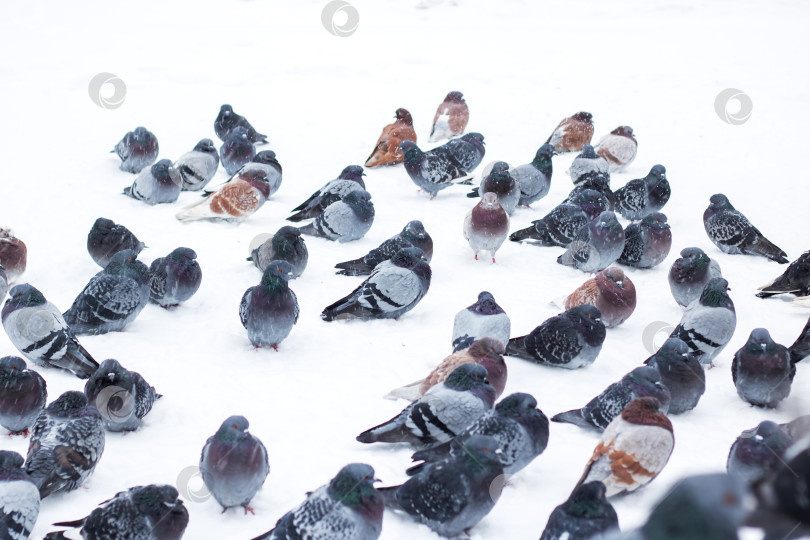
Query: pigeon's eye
{"points": [[235, 426]]}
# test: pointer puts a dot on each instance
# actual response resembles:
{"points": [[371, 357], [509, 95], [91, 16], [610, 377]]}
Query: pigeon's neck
{"points": [[364, 212], [543, 164]]}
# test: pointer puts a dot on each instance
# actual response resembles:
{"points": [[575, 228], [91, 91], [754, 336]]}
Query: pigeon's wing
{"points": [[555, 341], [243, 306], [106, 298], [35, 325], [158, 278], [390, 288], [439, 170], [729, 227], [631, 196], [437, 495], [385, 251]]}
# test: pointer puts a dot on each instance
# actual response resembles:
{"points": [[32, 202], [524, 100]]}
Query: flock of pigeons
{"points": [[465, 441]]}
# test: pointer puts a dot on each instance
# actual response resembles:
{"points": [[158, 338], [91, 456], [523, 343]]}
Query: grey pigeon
{"points": [[569, 340], [762, 370], [587, 161], [801, 347], [227, 121], [3, 282], [23, 395], [757, 452], [596, 181], [600, 411], [269, 310], [122, 397], [159, 184], [795, 279], [618, 148], [439, 168], [534, 178], [647, 244], [286, 245], [585, 515], [413, 234], [641, 197], [350, 179], [484, 318], [393, 288], [107, 238], [345, 220], [66, 443], [19, 498], [112, 298], [174, 278], [264, 165], [234, 464], [199, 166], [560, 226], [681, 373], [708, 323], [486, 225], [137, 150], [500, 182], [466, 152], [690, 273], [236, 150], [732, 233], [348, 508], [783, 495], [596, 246], [41, 334], [442, 413], [611, 291]]}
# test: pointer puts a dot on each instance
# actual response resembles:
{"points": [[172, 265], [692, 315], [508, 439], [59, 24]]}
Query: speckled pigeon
{"points": [[795, 279], [708, 323], [174, 278], [350, 179], [413, 234], [344, 220], [137, 150], [107, 238], [690, 273], [486, 225], [762, 370], [586, 162], [681, 373], [732, 233], [159, 184], [228, 121], [641, 197], [757, 452], [534, 178], [199, 166], [269, 310], [19, 498], [500, 182], [784, 494], [560, 226], [596, 246], [122, 397], [484, 318], [439, 168], [596, 181], [23, 395], [466, 152], [286, 245], [647, 243], [236, 150], [611, 291], [618, 148], [585, 515]]}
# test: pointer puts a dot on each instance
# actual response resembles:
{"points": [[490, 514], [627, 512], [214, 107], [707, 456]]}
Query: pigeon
{"points": [[795, 280], [572, 133], [106, 238], [783, 494], [534, 178], [501, 183], [641, 197], [263, 165], [708, 323], [350, 179], [586, 162], [66, 443], [3, 282], [112, 298], [137, 150], [13, 254], [618, 148], [234, 464], [681, 373], [236, 150], [801, 347], [393, 288], [596, 246], [345, 220], [485, 318], [569, 340], [122, 397], [611, 291], [757, 452], [762, 370], [732, 233], [23, 395], [228, 121], [453, 495], [40, 333], [19, 498], [269, 310], [386, 151], [466, 152], [159, 184], [647, 243], [596, 181], [518, 426], [174, 278], [633, 449], [199, 166], [286, 245], [690, 273], [486, 225], [439, 168], [450, 119], [643, 381], [486, 351], [413, 234], [152, 512], [558, 227], [348, 508], [442, 413], [586, 514]]}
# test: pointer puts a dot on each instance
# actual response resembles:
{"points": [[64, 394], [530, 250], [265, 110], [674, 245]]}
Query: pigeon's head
{"points": [[656, 221], [103, 226], [718, 201], [233, 429], [588, 153], [646, 381], [614, 276], [715, 294], [352, 172], [589, 501], [239, 132], [542, 158], [467, 377], [499, 180], [287, 236], [22, 296], [10, 460], [409, 257], [587, 319], [481, 454], [11, 364], [591, 202], [67, 404], [165, 173], [265, 157], [646, 411], [141, 135], [161, 505], [487, 348], [691, 257], [489, 201], [767, 434], [673, 350], [657, 174], [226, 110], [760, 342], [486, 304], [110, 372], [476, 139], [410, 151], [121, 261], [404, 115], [607, 221], [583, 116], [206, 146], [516, 404], [183, 256], [455, 96], [359, 201], [276, 275], [624, 131], [354, 487], [414, 231]]}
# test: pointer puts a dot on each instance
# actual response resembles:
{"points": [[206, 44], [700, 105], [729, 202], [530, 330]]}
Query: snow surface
{"points": [[522, 66]]}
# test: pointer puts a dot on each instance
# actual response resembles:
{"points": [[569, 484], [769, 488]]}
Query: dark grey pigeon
{"points": [[393, 289], [647, 244], [681, 373], [690, 273], [269, 310], [732, 233], [585, 515], [413, 234], [19, 498], [453, 495], [762, 370], [641, 197], [350, 179], [234, 464], [122, 397], [199, 166], [466, 152], [106, 238], [500, 182], [236, 150], [708, 323], [442, 413], [795, 280], [174, 278], [596, 246], [137, 150], [801, 347], [348, 508], [600, 411], [159, 184], [345, 220], [430, 171], [757, 452], [286, 245], [41, 334], [264, 165], [486, 225], [228, 121], [588, 161], [66, 443], [112, 298], [560, 226], [485, 318], [534, 178], [3, 282], [569, 340], [23, 395], [596, 181]]}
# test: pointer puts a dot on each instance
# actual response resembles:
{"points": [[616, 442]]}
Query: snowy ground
{"points": [[322, 99]]}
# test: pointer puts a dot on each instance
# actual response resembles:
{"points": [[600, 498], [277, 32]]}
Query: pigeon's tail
{"points": [[465, 180], [428, 456], [393, 431], [536, 231], [571, 417], [780, 285], [409, 391], [311, 230], [128, 191], [390, 495], [416, 469], [195, 211], [306, 213], [76, 523], [517, 347], [55, 535], [801, 347], [344, 308], [357, 267], [77, 360], [473, 194], [765, 248]]}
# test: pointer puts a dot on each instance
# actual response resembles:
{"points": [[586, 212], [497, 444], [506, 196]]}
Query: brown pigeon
{"points": [[451, 118], [618, 148], [611, 291], [572, 133], [386, 151], [13, 254]]}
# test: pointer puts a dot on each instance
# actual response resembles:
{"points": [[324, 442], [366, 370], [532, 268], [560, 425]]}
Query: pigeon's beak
{"points": [[763, 346], [111, 376]]}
